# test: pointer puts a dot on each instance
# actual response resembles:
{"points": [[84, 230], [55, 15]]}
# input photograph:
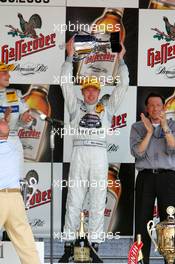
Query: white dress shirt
{"points": [[10, 159]]}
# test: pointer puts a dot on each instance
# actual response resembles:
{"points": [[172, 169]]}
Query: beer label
{"points": [[133, 256], [81, 254], [11, 97], [110, 211], [32, 138], [99, 108], [102, 65]]}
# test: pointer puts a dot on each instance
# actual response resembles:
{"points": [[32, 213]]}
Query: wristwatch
{"points": [[167, 131]]}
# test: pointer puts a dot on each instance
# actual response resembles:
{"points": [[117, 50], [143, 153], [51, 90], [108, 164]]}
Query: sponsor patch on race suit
{"points": [[11, 97]]}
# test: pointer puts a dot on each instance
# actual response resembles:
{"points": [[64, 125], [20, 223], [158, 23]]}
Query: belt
{"points": [[12, 190], [157, 171], [87, 142]]}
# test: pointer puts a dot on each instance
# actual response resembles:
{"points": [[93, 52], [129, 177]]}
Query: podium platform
{"points": [[111, 251]]}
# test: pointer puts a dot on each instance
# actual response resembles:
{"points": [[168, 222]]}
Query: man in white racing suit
{"points": [[12, 107], [89, 161], [13, 110]]}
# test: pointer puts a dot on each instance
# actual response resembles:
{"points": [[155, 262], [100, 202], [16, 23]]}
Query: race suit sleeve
{"points": [[66, 84], [120, 90], [23, 107]]}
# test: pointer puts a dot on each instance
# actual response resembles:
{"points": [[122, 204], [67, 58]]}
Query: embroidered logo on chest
{"points": [[11, 97]]}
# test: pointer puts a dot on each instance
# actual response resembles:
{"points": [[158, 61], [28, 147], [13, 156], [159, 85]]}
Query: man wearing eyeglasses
{"points": [[152, 143]]}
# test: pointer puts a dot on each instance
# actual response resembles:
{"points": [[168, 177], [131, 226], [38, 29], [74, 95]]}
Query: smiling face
{"points": [[4, 79], [154, 108], [90, 95]]}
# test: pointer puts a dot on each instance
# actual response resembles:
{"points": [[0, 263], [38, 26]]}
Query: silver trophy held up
{"points": [[165, 236], [89, 43]]}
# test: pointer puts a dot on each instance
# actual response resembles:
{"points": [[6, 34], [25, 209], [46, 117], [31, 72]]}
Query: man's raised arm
{"points": [[66, 80], [120, 90]]}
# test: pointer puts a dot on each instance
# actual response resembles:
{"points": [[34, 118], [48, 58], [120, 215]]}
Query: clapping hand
{"points": [[163, 121], [147, 123]]}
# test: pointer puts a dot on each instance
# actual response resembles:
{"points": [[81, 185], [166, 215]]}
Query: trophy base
{"points": [[170, 259]]}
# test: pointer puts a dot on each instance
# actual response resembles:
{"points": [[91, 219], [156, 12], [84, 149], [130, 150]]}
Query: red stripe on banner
{"points": [[36, 205], [134, 252]]}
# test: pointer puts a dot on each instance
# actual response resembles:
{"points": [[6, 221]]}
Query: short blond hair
{"points": [[90, 81]]}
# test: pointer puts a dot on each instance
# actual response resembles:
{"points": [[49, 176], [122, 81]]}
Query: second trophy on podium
{"points": [[81, 252]]}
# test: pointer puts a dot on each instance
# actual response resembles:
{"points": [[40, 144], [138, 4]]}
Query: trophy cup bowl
{"points": [[165, 232]]}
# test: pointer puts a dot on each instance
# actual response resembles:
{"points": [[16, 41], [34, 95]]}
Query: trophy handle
{"points": [[150, 229]]}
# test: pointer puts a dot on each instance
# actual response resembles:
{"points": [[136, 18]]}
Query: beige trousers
{"points": [[14, 219]]}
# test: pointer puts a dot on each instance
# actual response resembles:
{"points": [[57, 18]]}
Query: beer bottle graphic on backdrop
{"points": [[113, 195], [32, 138], [110, 21], [104, 62], [114, 190], [162, 4], [170, 106]]}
